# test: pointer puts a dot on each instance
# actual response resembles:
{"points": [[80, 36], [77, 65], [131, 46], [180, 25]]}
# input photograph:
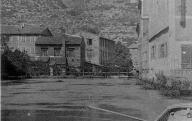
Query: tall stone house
{"points": [[63, 51], [98, 50], [23, 37], [91, 47], [165, 36]]}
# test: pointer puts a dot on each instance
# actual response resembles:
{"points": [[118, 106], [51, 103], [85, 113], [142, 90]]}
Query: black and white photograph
{"points": [[96, 60]]}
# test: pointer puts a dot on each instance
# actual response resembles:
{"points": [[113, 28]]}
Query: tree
{"points": [[15, 63], [121, 58]]}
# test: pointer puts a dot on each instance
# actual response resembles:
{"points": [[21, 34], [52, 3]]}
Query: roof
{"points": [[133, 46], [27, 30], [57, 40], [106, 39], [49, 40], [73, 39], [163, 31]]}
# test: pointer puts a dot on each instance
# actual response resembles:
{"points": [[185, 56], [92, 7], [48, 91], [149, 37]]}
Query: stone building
{"points": [[51, 49], [75, 51], [168, 28], [98, 50], [64, 51], [23, 37], [91, 47]]}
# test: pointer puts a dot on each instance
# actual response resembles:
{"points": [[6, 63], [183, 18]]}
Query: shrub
{"points": [[171, 87], [139, 82], [186, 85], [161, 79], [15, 64], [146, 83], [170, 92], [176, 85], [39, 68]]}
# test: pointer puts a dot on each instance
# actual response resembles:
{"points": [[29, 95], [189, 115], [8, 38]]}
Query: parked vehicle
{"points": [[178, 112]]}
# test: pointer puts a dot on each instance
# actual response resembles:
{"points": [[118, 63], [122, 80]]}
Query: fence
{"points": [[91, 75]]}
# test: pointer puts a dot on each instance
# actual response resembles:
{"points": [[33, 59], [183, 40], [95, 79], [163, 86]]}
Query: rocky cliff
{"points": [[115, 19]]}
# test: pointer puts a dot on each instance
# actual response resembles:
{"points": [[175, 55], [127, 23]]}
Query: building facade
{"points": [[23, 37], [91, 47], [75, 51], [143, 51], [106, 50], [98, 50], [51, 50], [64, 51], [169, 37]]}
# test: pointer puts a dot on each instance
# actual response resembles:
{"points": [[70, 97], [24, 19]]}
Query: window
{"points": [[186, 56], [145, 27], [163, 51], [32, 50], [153, 51], [28, 50], [57, 51], [89, 42], [44, 51], [32, 40], [22, 39], [70, 51]]}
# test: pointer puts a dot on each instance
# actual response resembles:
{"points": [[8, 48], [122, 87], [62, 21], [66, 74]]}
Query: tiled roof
{"points": [[57, 40], [27, 29], [163, 31], [73, 39], [103, 38], [49, 40], [9, 29]]}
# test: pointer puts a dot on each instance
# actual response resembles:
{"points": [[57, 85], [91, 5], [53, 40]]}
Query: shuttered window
{"points": [[163, 50], [153, 52], [44, 51], [186, 56], [57, 51]]}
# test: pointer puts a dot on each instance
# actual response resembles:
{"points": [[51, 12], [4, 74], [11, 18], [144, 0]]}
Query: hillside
{"points": [[115, 19]]}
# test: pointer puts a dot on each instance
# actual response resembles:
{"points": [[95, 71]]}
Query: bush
{"points": [[170, 92], [139, 82], [146, 84], [176, 85], [161, 79], [15, 64], [171, 87], [39, 68]]}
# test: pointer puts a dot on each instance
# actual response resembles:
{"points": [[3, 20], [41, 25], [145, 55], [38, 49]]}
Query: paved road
{"points": [[68, 100]]}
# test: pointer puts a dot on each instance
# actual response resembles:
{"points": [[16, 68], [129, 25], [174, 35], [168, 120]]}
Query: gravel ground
{"points": [[67, 99]]}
